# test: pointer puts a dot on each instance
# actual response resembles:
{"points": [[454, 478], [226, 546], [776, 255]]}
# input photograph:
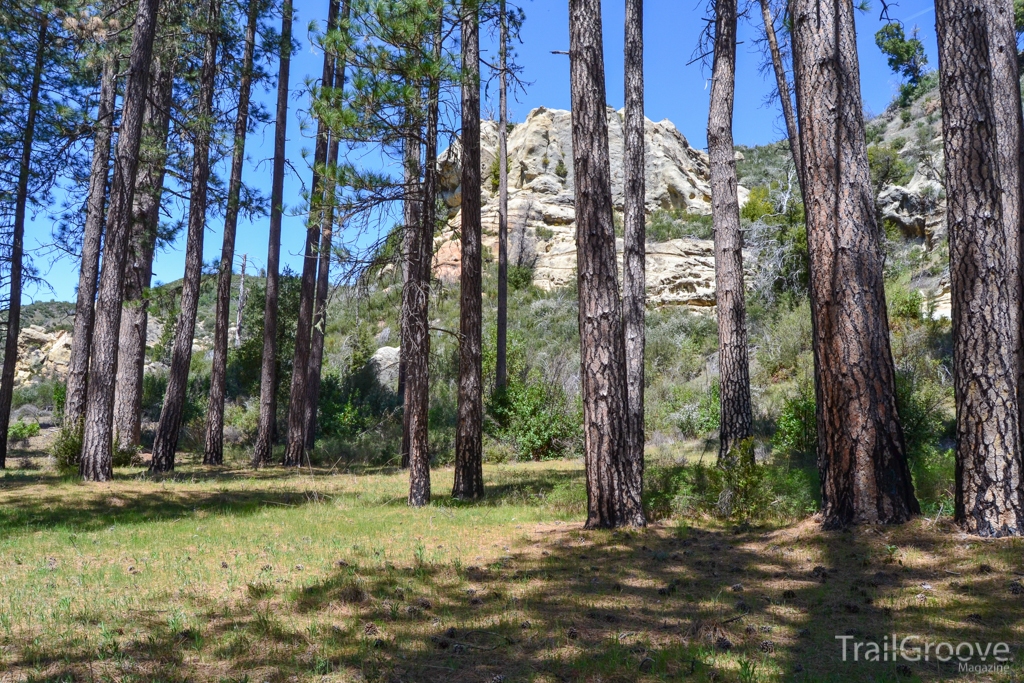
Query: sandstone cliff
{"points": [[541, 204]]}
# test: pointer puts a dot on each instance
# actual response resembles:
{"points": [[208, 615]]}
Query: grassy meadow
{"points": [[326, 575]]}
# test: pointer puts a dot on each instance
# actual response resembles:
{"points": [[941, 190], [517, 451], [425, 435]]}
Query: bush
{"points": [[60, 395], [560, 170], [536, 417], [740, 489], [796, 432], [520, 278], [66, 449], [701, 412], [22, 431]]}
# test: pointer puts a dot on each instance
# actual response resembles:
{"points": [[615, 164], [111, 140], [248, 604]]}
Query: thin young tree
{"points": [[295, 451], [145, 225], [213, 452], [862, 457], [982, 139], [417, 391], [169, 427], [469, 474], [613, 494], [18, 238], [99, 176], [734, 371], [323, 273], [412, 205], [501, 350], [634, 275], [263, 450], [782, 85], [97, 443]]}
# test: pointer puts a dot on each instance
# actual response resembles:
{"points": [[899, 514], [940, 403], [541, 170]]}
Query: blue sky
{"points": [[674, 90]]}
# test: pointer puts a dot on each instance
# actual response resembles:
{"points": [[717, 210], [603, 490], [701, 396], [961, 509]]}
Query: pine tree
{"points": [[501, 351], [295, 451], [981, 120], [469, 477], [613, 494], [263, 450], [169, 427], [862, 457], [213, 452], [736, 413], [634, 280], [97, 456], [782, 86]]}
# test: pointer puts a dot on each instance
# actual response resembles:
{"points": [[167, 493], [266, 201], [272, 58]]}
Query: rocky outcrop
{"points": [[541, 204], [42, 355]]}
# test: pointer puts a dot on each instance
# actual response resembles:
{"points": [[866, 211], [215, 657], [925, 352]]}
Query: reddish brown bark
{"points": [[861, 452], [981, 118]]}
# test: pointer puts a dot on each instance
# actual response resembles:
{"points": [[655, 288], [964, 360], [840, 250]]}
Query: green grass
{"points": [[230, 575]]}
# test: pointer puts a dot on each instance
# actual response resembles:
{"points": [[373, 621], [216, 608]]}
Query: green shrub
{"points": [[22, 431], [66, 448], [520, 278], [701, 411], [60, 395], [796, 432], [560, 170], [739, 489], [536, 417]]}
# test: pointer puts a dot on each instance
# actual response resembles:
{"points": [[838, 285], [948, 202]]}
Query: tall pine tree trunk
{"points": [[97, 463], [613, 495], [413, 205], [982, 155], [99, 175], [264, 447], [736, 415], [417, 388], [213, 453], [296, 449], [501, 351], [862, 457], [168, 429], [782, 84], [469, 474], [634, 275], [145, 221], [18, 241], [323, 274]]}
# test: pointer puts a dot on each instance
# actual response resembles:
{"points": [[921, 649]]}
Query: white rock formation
{"points": [[541, 204]]}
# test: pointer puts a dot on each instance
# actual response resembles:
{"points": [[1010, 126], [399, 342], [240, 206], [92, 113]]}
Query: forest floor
{"points": [[230, 575]]}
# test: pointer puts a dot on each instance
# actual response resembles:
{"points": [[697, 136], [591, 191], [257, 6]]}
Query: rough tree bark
{"points": [[634, 267], [145, 222], [410, 260], [213, 453], [18, 241], [734, 372], [263, 450], [983, 173], [295, 451], [862, 457], [501, 351], [99, 175], [782, 84], [613, 495], [469, 471], [417, 390], [323, 273], [97, 463], [169, 427]]}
